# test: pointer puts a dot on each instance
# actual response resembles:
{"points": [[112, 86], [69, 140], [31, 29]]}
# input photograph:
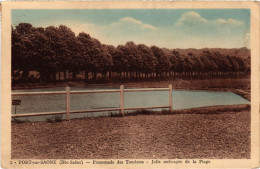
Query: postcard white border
{"points": [[215, 163]]}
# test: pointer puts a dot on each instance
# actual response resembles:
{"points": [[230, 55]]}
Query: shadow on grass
{"points": [[202, 110], [18, 121], [56, 118]]}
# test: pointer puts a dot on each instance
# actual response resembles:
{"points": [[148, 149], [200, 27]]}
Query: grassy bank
{"points": [[238, 83], [212, 132], [200, 110]]}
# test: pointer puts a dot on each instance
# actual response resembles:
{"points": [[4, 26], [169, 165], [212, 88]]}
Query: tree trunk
{"points": [[86, 75], [109, 74], [59, 75], [65, 75], [95, 75], [74, 75]]}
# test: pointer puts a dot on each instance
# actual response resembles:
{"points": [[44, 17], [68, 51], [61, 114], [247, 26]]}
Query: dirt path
{"points": [[225, 135]]}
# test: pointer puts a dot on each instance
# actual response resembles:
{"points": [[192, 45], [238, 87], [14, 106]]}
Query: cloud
{"points": [[247, 36], [129, 21], [197, 31], [190, 19], [118, 32], [229, 21], [247, 39], [190, 30], [195, 19]]}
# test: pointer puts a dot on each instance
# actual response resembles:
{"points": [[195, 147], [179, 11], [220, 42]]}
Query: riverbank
{"points": [[238, 86], [214, 132]]}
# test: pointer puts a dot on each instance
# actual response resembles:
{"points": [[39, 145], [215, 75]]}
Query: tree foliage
{"points": [[53, 51]]}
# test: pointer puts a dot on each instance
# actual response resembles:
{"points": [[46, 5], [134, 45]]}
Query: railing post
{"points": [[170, 98], [122, 99], [67, 103]]}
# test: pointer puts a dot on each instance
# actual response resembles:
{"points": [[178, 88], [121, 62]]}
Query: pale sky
{"points": [[170, 28]]}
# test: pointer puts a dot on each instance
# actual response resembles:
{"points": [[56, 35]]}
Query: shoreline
{"points": [[218, 109]]}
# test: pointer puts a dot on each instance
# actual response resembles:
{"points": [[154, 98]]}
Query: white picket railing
{"points": [[68, 93]]}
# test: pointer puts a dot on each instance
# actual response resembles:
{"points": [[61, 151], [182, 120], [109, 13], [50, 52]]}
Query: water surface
{"points": [[182, 99]]}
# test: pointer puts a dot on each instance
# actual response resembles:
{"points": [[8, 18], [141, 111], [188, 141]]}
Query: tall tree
{"points": [[163, 64], [148, 59], [106, 61], [84, 47], [21, 49]]}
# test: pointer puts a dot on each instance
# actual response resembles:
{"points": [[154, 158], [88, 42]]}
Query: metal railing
{"points": [[67, 93]]}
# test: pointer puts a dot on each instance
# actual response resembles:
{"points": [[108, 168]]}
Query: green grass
{"points": [[201, 110], [56, 118]]}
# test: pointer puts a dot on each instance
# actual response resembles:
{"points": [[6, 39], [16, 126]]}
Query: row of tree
{"points": [[53, 51]]}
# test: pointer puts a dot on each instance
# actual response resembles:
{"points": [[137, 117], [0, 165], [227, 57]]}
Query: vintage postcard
{"points": [[130, 85]]}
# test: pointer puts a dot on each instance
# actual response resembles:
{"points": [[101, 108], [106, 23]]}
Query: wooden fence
{"points": [[122, 109]]}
